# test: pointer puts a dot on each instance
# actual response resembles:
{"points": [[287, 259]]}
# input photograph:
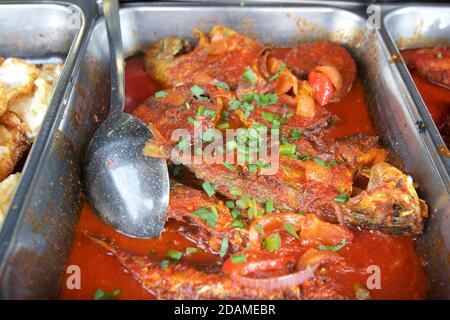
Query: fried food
{"points": [[7, 189], [13, 142]]}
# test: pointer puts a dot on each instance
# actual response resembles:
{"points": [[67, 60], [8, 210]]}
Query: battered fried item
{"points": [[432, 63], [17, 80], [13, 142], [7, 189], [32, 108]]}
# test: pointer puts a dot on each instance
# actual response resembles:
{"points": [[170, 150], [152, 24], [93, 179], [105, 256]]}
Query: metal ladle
{"points": [[128, 190]]}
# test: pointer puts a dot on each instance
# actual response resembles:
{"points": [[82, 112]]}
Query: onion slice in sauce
{"points": [[289, 280]]}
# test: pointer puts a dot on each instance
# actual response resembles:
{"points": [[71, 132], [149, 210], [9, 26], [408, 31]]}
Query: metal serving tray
{"points": [[390, 103], [39, 220], [419, 27]]}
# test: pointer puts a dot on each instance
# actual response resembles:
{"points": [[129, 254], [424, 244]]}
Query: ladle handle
{"points": [[111, 12]]}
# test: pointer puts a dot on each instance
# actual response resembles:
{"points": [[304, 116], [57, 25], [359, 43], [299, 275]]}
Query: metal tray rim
{"points": [[40, 147]]}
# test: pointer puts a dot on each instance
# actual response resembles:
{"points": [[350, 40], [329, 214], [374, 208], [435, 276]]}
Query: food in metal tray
{"points": [[309, 230], [25, 93], [430, 68]]}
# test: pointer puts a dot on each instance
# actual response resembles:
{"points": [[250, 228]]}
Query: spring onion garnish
{"points": [[272, 242], [174, 254], [209, 216], [290, 228], [342, 198], [333, 248], [209, 189], [249, 76], [106, 295], [160, 94], [239, 258], [223, 247]]}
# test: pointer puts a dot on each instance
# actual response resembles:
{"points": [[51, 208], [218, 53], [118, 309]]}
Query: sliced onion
{"points": [[305, 105], [333, 74], [289, 280]]}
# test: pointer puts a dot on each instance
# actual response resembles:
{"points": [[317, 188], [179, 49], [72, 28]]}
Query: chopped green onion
{"points": [[333, 248], [174, 254], [229, 204], [259, 228], [235, 213], [237, 224], [272, 242], [249, 76], [209, 216], [221, 84], [235, 192], [234, 104], [223, 247], [269, 206], [229, 166], [287, 149], [182, 144], [252, 168], [224, 125], [209, 189], [160, 94], [290, 228], [239, 258], [281, 67], [296, 134], [342, 198], [243, 203], [106, 295], [198, 92], [268, 116], [324, 163], [193, 121], [305, 158], [164, 264]]}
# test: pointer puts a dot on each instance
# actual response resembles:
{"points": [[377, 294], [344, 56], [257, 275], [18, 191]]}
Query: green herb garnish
{"points": [[160, 94], [221, 84], [223, 247], [249, 76], [106, 295], [336, 247], [290, 228], [229, 166], [239, 258], [342, 198], [272, 242], [174, 254], [209, 216], [269, 206], [164, 264], [209, 189]]}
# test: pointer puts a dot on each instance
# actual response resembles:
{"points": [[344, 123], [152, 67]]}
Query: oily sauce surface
{"points": [[402, 275]]}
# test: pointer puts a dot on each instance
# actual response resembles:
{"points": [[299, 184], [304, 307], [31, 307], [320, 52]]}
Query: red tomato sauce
{"points": [[402, 275]]}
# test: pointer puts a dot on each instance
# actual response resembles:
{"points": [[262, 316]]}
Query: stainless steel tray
{"points": [[416, 27], [390, 102], [39, 221]]}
